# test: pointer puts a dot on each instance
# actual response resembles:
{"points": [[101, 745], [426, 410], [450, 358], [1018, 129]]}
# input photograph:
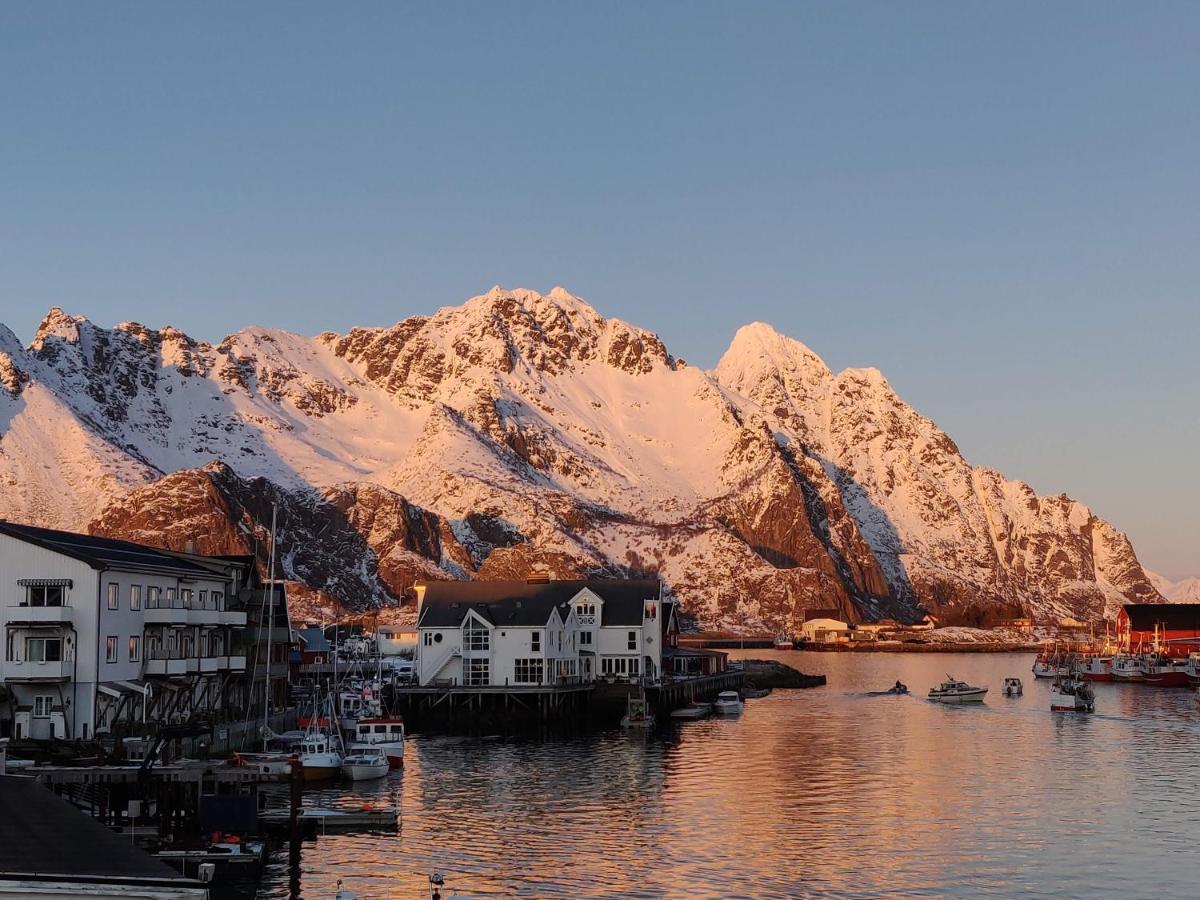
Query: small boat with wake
{"points": [[1071, 693], [954, 691]]}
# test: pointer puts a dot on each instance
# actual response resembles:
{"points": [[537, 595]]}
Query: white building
{"points": [[102, 635], [540, 632], [824, 631]]}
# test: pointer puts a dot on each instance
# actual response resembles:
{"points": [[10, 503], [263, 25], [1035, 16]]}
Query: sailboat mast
{"points": [[270, 629]]}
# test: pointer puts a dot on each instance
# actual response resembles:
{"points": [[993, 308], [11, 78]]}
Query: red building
{"points": [[1175, 626]]}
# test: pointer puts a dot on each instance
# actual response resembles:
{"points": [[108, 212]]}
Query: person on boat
{"points": [[899, 688]]}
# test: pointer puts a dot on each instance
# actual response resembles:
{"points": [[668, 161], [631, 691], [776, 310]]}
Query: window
{"points": [[185, 598], [42, 649], [476, 672], [135, 649], [217, 597], [633, 640], [428, 639], [560, 642], [528, 671], [43, 704], [152, 594], [172, 599], [535, 641], [45, 595], [114, 596], [619, 665], [110, 654], [135, 596], [476, 635], [585, 639], [204, 600]]}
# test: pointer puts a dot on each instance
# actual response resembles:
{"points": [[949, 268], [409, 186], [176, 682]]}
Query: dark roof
{"points": [[314, 640], [522, 603], [1171, 616], [41, 835], [106, 553]]}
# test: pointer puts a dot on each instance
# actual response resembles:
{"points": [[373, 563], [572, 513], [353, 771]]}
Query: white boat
{"points": [[1127, 668], [1013, 687], [954, 691], [321, 751], [386, 732], [783, 642], [365, 762], [1072, 694], [692, 711], [728, 703]]}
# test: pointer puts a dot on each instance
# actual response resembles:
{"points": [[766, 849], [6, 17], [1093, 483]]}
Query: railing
{"points": [[448, 655]]}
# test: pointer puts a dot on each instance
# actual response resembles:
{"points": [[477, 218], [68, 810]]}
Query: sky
{"points": [[998, 205]]}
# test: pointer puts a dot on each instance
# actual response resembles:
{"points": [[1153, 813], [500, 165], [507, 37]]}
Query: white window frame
{"points": [[135, 597], [41, 641], [153, 595], [110, 649], [44, 703], [135, 648], [114, 595], [477, 672], [529, 670], [477, 637]]}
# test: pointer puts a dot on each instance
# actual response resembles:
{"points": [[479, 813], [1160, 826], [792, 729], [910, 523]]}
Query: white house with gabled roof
{"points": [[540, 632]]}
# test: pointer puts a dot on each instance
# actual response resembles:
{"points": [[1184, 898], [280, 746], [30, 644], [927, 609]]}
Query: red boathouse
{"points": [[1176, 626]]}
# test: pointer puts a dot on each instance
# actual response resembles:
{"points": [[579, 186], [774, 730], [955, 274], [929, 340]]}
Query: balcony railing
{"points": [[40, 615], [56, 670]]}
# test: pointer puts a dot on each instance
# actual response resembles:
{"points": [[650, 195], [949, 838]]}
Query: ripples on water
{"points": [[820, 792]]}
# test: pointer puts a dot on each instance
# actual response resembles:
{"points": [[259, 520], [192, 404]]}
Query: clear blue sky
{"points": [[996, 204]]}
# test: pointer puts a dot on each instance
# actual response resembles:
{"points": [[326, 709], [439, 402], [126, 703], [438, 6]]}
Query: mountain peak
{"points": [[758, 350], [59, 324]]}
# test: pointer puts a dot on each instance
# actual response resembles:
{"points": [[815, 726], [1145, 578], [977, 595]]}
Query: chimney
{"points": [[189, 547], [538, 578]]}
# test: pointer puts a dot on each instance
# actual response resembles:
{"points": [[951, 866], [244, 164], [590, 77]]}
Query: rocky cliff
{"points": [[524, 431]]}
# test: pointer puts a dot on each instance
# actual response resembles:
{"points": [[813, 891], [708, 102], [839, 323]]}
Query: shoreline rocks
{"points": [[770, 673]]}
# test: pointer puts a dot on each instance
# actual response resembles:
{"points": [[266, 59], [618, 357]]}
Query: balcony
{"points": [[210, 664], [59, 670], [40, 615], [238, 664], [165, 615], [165, 667]]}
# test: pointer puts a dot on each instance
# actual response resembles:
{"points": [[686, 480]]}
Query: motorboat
{"points": [[1013, 687], [1072, 694], [954, 691], [691, 711], [1049, 666], [365, 762], [728, 703], [320, 758], [897, 689], [386, 732], [637, 714], [264, 763], [1128, 669]]}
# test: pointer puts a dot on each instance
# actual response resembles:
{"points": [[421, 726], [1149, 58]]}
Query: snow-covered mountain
{"points": [[1185, 590], [520, 431]]}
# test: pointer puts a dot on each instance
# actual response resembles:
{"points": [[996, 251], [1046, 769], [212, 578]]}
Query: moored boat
{"points": [[637, 714], [386, 732], [1095, 668], [954, 691], [691, 711], [365, 762], [1013, 687], [728, 703], [783, 642], [1048, 667], [1128, 669], [1160, 670]]}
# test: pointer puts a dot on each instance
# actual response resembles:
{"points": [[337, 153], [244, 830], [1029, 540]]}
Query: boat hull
{"points": [[357, 772], [1166, 679], [321, 773], [965, 697], [728, 709]]}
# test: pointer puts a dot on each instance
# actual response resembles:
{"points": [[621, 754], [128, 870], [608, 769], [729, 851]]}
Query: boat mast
{"points": [[270, 628]]}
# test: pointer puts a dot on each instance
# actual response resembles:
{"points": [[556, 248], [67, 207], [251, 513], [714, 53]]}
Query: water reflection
{"points": [[822, 792]]}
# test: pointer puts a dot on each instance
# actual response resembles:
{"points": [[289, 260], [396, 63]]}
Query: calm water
{"points": [[820, 792]]}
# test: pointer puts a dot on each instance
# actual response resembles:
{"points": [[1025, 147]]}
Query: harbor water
{"points": [[822, 792]]}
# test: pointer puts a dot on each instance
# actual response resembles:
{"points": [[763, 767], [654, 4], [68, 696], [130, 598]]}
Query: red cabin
{"points": [[1176, 627]]}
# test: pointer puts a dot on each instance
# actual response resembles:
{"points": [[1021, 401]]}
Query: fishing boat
{"points": [[954, 691], [365, 763], [1071, 693], [1049, 665], [1193, 669], [1013, 687], [386, 732], [1127, 668], [1161, 670], [321, 751], [728, 703], [1095, 668]]}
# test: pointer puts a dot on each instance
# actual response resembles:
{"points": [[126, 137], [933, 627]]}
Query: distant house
{"points": [[1022, 624], [396, 640], [315, 649], [927, 623], [824, 630], [1069, 622], [541, 632]]}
